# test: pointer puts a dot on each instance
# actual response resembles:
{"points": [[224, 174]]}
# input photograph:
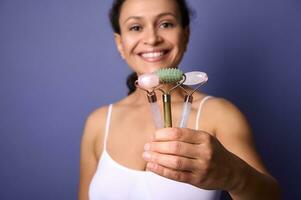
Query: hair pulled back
{"points": [[114, 15]]}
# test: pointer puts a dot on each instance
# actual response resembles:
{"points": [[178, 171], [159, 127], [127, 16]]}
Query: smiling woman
{"points": [[123, 156], [153, 37]]}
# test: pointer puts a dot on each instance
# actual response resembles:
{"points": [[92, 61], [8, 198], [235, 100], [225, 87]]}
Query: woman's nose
{"points": [[152, 37]]}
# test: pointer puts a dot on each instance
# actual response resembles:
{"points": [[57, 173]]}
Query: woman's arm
{"points": [[228, 161], [88, 157], [252, 180]]}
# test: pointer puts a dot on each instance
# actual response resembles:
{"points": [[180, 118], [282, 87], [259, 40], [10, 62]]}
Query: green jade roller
{"points": [[169, 76]]}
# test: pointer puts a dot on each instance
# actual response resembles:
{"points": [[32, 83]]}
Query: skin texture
{"points": [[221, 155]]}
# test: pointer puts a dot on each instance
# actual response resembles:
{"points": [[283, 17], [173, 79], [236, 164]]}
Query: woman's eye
{"points": [[166, 25], [135, 28]]}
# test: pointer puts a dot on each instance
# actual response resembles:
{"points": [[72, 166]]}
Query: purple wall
{"points": [[58, 62]]}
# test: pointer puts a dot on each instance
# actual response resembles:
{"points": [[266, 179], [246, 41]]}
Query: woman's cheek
{"points": [[130, 41]]}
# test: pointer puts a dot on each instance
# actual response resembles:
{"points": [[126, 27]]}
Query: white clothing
{"points": [[112, 181]]}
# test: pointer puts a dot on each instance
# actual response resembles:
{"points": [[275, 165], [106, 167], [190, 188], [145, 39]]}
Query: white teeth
{"points": [[152, 54]]}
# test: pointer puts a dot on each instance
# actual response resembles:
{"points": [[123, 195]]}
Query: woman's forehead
{"points": [[148, 8]]}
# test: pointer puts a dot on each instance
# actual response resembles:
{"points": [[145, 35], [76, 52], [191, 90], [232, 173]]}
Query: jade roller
{"points": [[148, 83], [153, 81], [192, 78], [169, 76]]}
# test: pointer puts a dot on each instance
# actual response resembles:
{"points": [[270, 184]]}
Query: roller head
{"points": [[195, 77], [169, 75], [148, 81]]}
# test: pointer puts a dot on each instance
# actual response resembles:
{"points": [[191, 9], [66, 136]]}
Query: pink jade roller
{"points": [[153, 81], [148, 83], [192, 78]]}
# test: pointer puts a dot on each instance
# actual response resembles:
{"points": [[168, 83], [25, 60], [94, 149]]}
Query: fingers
{"points": [[182, 176], [180, 154], [181, 134], [171, 161], [174, 148]]}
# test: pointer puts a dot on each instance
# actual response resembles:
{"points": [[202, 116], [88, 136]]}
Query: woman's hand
{"points": [[191, 156]]}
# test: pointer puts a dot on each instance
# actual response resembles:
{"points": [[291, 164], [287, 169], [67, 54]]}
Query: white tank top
{"points": [[113, 181]]}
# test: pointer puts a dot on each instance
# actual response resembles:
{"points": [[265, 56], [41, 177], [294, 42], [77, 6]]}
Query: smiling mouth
{"points": [[153, 56]]}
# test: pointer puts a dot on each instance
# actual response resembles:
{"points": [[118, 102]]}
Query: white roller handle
{"points": [[185, 114], [156, 115]]}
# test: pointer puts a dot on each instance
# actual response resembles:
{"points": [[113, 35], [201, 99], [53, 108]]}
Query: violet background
{"points": [[58, 62]]}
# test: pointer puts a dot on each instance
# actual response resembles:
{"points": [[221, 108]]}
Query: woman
{"points": [[123, 156]]}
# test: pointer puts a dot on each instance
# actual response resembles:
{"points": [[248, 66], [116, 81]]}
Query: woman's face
{"points": [[151, 35]]}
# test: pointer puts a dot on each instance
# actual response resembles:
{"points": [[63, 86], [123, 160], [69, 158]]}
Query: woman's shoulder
{"points": [[214, 104], [223, 108], [95, 122], [97, 116], [220, 105], [226, 117], [220, 113]]}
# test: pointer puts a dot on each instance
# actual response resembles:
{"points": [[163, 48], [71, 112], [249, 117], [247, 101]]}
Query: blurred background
{"points": [[58, 62]]}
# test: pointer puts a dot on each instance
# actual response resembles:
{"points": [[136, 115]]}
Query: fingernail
{"points": [[147, 147], [146, 156]]}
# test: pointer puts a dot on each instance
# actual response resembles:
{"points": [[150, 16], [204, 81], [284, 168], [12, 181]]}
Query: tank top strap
{"points": [[201, 105], [107, 127]]}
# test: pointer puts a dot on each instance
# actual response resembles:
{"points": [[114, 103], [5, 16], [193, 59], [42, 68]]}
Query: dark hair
{"points": [[114, 15]]}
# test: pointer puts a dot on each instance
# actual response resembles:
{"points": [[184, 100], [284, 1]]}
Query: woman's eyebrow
{"points": [[159, 16], [132, 17], [166, 14]]}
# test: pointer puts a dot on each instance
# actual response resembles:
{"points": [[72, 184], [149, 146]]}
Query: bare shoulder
{"points": [[94, 127], [227, 117], [221, 105], [234, 132], [95, 120], [88, 157]]}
